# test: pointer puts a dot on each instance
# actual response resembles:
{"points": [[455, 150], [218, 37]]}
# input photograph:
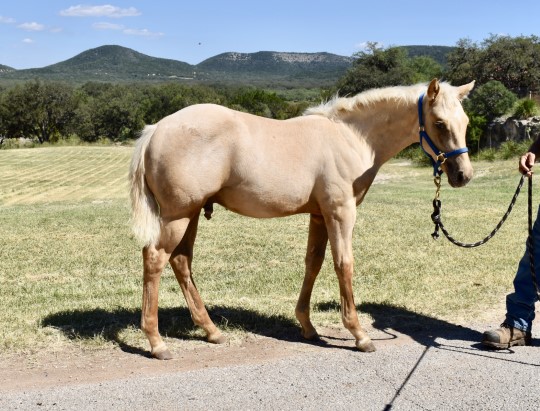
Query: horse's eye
{"points": [[440, 125]]}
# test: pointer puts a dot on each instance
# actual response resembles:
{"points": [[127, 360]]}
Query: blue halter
{"points": [[441, 156]]}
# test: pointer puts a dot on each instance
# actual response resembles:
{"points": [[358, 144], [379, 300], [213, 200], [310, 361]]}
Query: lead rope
{"points": [[437, 220]]}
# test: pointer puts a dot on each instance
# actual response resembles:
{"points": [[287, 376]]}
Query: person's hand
{"points": [[526, 163]]}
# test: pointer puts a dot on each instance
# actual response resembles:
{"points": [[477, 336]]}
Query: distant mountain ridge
{"points": [[113, 63], [270, 60], [5, 69], [278, 67]]}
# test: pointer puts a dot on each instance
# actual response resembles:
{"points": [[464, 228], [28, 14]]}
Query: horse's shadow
{"points": [[173, 322], [176, 323], [394, 320], [424, 329]]}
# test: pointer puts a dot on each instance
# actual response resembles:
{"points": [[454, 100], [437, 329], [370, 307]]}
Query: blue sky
{"points": [[37, 33]]}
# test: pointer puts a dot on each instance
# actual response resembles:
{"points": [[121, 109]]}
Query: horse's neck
{"points": [[387, 127]]}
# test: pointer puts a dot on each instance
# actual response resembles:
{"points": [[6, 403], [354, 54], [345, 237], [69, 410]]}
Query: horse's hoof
{"points": [[365, 345], [311, 335], [218, 339], [163, 355]]}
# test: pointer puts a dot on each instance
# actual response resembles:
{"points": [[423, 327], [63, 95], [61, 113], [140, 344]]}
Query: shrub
{"points": [[511, 149], [475, 130], [488, 154], [526, 108]]}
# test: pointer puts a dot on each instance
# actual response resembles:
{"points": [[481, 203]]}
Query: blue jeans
{"points": [[520, 304]]}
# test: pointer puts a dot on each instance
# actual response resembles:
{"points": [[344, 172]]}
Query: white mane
{"points": [[339, 106]]}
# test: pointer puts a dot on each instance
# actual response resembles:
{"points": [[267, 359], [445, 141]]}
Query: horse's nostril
{"points": [[462, 178]]}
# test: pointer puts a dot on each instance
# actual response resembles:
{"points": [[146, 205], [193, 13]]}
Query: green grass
{"points": [[70, 270]]}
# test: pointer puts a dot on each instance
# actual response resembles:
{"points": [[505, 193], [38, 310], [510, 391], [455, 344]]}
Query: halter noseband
{"points": [[441, 156]]}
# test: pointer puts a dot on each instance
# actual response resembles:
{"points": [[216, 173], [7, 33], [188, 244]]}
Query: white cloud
{"points": [[99, 11], [7, 20], [142, 32], [32, 26], [107, 26], [28, 41]]}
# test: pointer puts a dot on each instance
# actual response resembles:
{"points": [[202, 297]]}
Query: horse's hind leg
{"points": [[154, 261], [316, 248], [180, 260]]}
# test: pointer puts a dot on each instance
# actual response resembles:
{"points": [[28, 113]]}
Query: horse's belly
{"points": [[264, 204]]}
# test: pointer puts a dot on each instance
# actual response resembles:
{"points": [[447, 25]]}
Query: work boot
{"points": [[506, 337]]}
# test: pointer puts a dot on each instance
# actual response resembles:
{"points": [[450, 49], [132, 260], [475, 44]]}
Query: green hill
{"points": [[262, 69], [108, 63]]}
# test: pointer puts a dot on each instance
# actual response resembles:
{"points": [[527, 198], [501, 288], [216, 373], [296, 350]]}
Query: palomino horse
{"points": [[322, 163]]}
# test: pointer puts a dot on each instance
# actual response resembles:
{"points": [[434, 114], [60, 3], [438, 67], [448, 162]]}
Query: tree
{"points": [[463, 62], [424, 69], [258, 102], [160, 101], [490, 100], [3, 117], [486, 102], [41, 110], [515, 62], [114, 113], [378, 67]]}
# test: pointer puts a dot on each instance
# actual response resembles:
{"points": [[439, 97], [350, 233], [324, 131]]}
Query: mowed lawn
{"points": [[70, 269]]}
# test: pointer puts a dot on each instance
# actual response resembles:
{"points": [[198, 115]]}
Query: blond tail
{"points": [[144, 207]]}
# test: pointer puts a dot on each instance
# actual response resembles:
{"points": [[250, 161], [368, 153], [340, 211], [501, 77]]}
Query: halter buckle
{"points": [[441, 158]]}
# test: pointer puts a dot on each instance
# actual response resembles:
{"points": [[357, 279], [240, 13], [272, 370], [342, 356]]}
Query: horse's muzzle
{"points": [[459, 172]]}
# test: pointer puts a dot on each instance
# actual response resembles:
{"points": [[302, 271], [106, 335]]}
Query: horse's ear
{"points": [[433, 90], [464, 90]]}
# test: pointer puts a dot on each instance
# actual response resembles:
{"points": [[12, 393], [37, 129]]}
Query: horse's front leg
{"points": [[340, 224], [316, 248]]}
